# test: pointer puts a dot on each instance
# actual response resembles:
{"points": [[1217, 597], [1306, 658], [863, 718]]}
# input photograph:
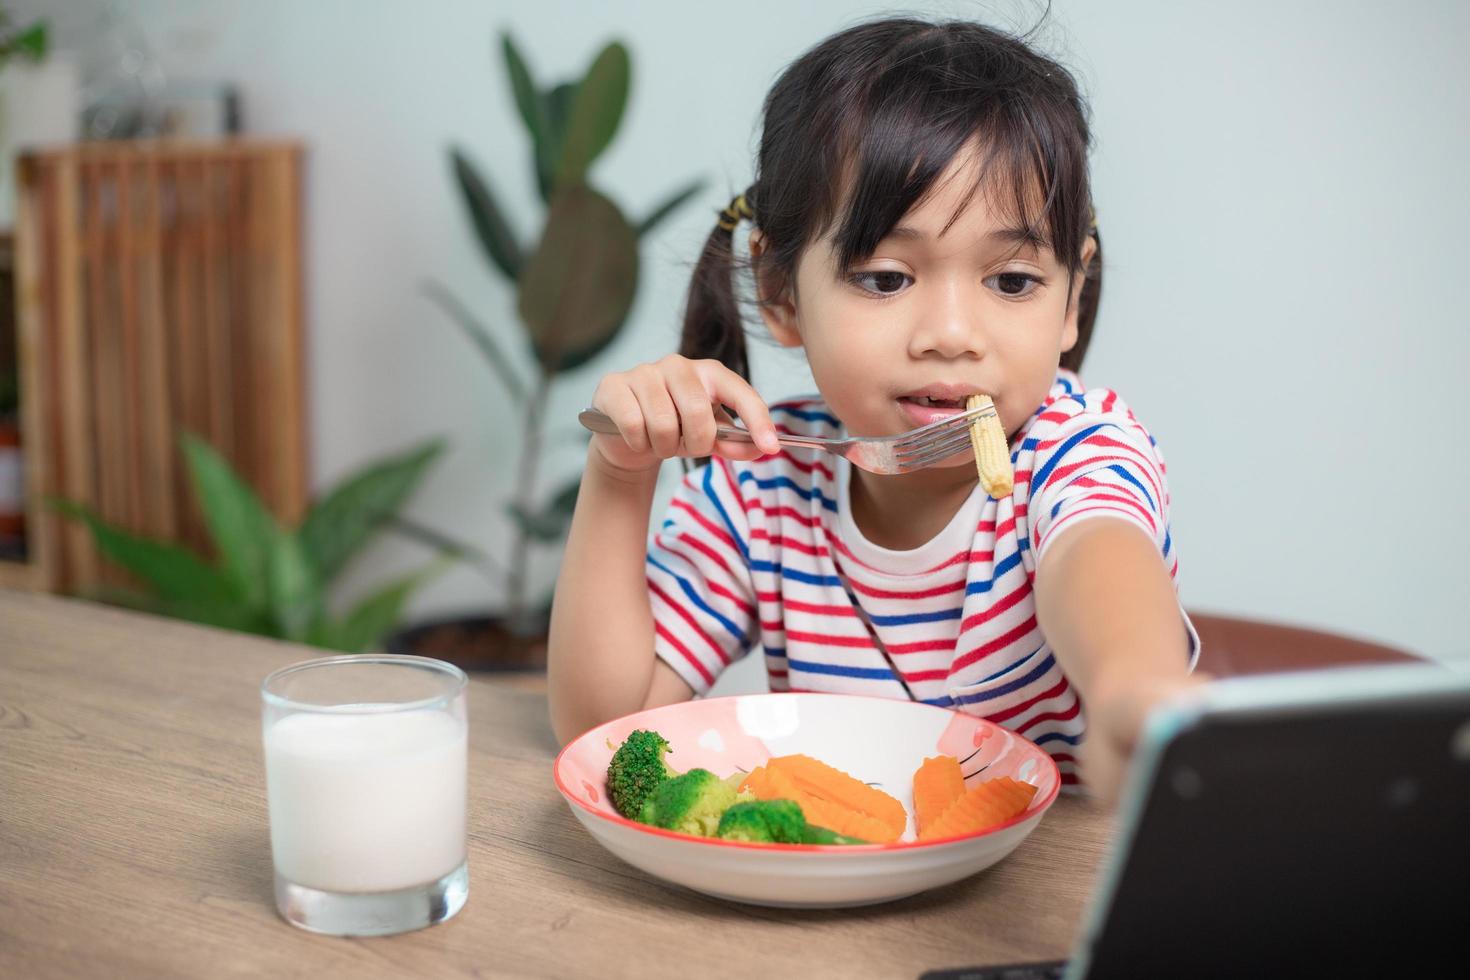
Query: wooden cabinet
{"points": [[159, 291]]}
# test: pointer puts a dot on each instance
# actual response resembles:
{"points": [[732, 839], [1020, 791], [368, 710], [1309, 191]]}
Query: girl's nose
{"points": [[949, 328]]}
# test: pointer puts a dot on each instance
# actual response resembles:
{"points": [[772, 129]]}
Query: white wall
{"points": [[1280, 187]]}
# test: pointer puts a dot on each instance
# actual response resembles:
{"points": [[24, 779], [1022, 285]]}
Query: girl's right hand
{"points": [[672, 408]]}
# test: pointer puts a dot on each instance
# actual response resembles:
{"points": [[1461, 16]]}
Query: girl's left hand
{"points": [[1115, 722]]}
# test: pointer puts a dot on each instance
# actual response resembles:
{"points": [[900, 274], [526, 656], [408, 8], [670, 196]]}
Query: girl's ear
{"points": [[777, 302], [1069, 330]]}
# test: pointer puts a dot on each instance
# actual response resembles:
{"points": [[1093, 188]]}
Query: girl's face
{"points": [[934, 315]]}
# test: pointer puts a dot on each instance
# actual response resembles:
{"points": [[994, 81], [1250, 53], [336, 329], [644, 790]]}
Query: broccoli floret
{"points": [[763, 822], [690, 804], [636, 770], [821, 835]]}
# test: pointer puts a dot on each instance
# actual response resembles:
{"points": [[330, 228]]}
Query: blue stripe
{"points": [[777, 652], [1005, 565], [867, 673], [709, 492], [1030, 443], [942, 702], [1122, 471], [1058, 737], [785, 481], [1168, 541], [909, 618], [1012, 667], [699, 602], [810, 415], [1066, 385], [1010, 686], [1040, 476], [759, 565]]}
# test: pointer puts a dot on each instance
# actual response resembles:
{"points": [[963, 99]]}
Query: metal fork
{"points": [[903, 453]]}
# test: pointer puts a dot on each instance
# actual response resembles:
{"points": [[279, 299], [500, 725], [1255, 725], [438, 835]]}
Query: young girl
{"points": [[920, 227]]}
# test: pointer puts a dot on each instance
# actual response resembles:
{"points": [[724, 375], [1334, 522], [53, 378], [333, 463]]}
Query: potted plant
{"points": [[265, 578], [574, 290]]}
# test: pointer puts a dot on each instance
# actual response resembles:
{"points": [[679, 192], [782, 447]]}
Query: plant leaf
{"points": [[528, 100], [668, 207], [551, 523], [342, 521], [370, 619], [172, 571], [294, 589], [448, 546], [479, 335], [223, 614], [578, 286], [240, 525], [596, 113], [557, 108], [491, 228]]}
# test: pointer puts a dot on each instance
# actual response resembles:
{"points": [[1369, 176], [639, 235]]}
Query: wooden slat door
{"points": [[160, 292]]}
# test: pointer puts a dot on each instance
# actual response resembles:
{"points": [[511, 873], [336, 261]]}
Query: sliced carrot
{"points": [[937, 784], [777, 784], [835, 786], [753, 781], [992, 802]]}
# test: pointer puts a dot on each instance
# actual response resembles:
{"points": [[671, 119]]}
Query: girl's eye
{"points": [[884, 282], [1014, 284]]}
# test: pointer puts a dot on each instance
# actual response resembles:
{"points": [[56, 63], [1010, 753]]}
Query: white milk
{"points": [[366, 802]]}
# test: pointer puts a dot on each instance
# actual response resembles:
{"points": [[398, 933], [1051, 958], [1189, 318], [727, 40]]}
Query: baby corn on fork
{"points": [[988, 439], [903, 453]]}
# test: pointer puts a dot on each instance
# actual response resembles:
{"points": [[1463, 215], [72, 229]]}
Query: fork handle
{"points": [[596, 421]]}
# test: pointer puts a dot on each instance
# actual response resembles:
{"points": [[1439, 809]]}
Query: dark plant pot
{"points": [[470, 643]]}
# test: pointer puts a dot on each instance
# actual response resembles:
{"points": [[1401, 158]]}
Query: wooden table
{"points": [[134, 841]]}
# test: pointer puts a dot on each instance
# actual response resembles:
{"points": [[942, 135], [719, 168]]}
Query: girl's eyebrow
{"points": [[1000, 236]]}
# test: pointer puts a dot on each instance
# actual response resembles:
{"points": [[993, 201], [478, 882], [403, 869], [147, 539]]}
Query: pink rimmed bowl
{"points": [[879, 741]]}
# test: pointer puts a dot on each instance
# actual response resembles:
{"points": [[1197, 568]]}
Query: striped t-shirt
{"points": [[766, 554]]}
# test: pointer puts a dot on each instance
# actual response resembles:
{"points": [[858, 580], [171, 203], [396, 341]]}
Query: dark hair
{"points": [[879, 111]]}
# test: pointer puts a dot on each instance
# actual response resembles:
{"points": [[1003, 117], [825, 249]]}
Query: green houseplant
{"points": [[265, 578], [574, 290]]}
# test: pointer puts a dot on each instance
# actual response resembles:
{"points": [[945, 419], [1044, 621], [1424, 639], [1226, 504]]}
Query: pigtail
{"points": [[1087, 304], [712, 323]]}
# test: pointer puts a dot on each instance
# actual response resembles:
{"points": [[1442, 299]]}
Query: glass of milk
{"points": [[365, 771]]}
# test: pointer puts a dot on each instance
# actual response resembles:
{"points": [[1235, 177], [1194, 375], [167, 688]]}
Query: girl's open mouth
{"points": [[933, 404]]}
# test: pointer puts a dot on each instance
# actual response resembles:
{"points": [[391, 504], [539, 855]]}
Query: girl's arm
{"points": [[601, 663], [600, 660], [1108, 609]]}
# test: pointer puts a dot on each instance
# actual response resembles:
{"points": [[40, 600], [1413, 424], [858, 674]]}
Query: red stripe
{"points": [[1056, 690], [673, 641], [688, 617], [996, 608], [1068, 779], [725, 593], [1109, 400], [819, 608], [706, 523], [1060, 757], [828, 640], [928, 593], [1132, 502], [923, 646], [781, 541], [805, 467], [999, 643], [786, 512], [1067, 715], [704, 549]]}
